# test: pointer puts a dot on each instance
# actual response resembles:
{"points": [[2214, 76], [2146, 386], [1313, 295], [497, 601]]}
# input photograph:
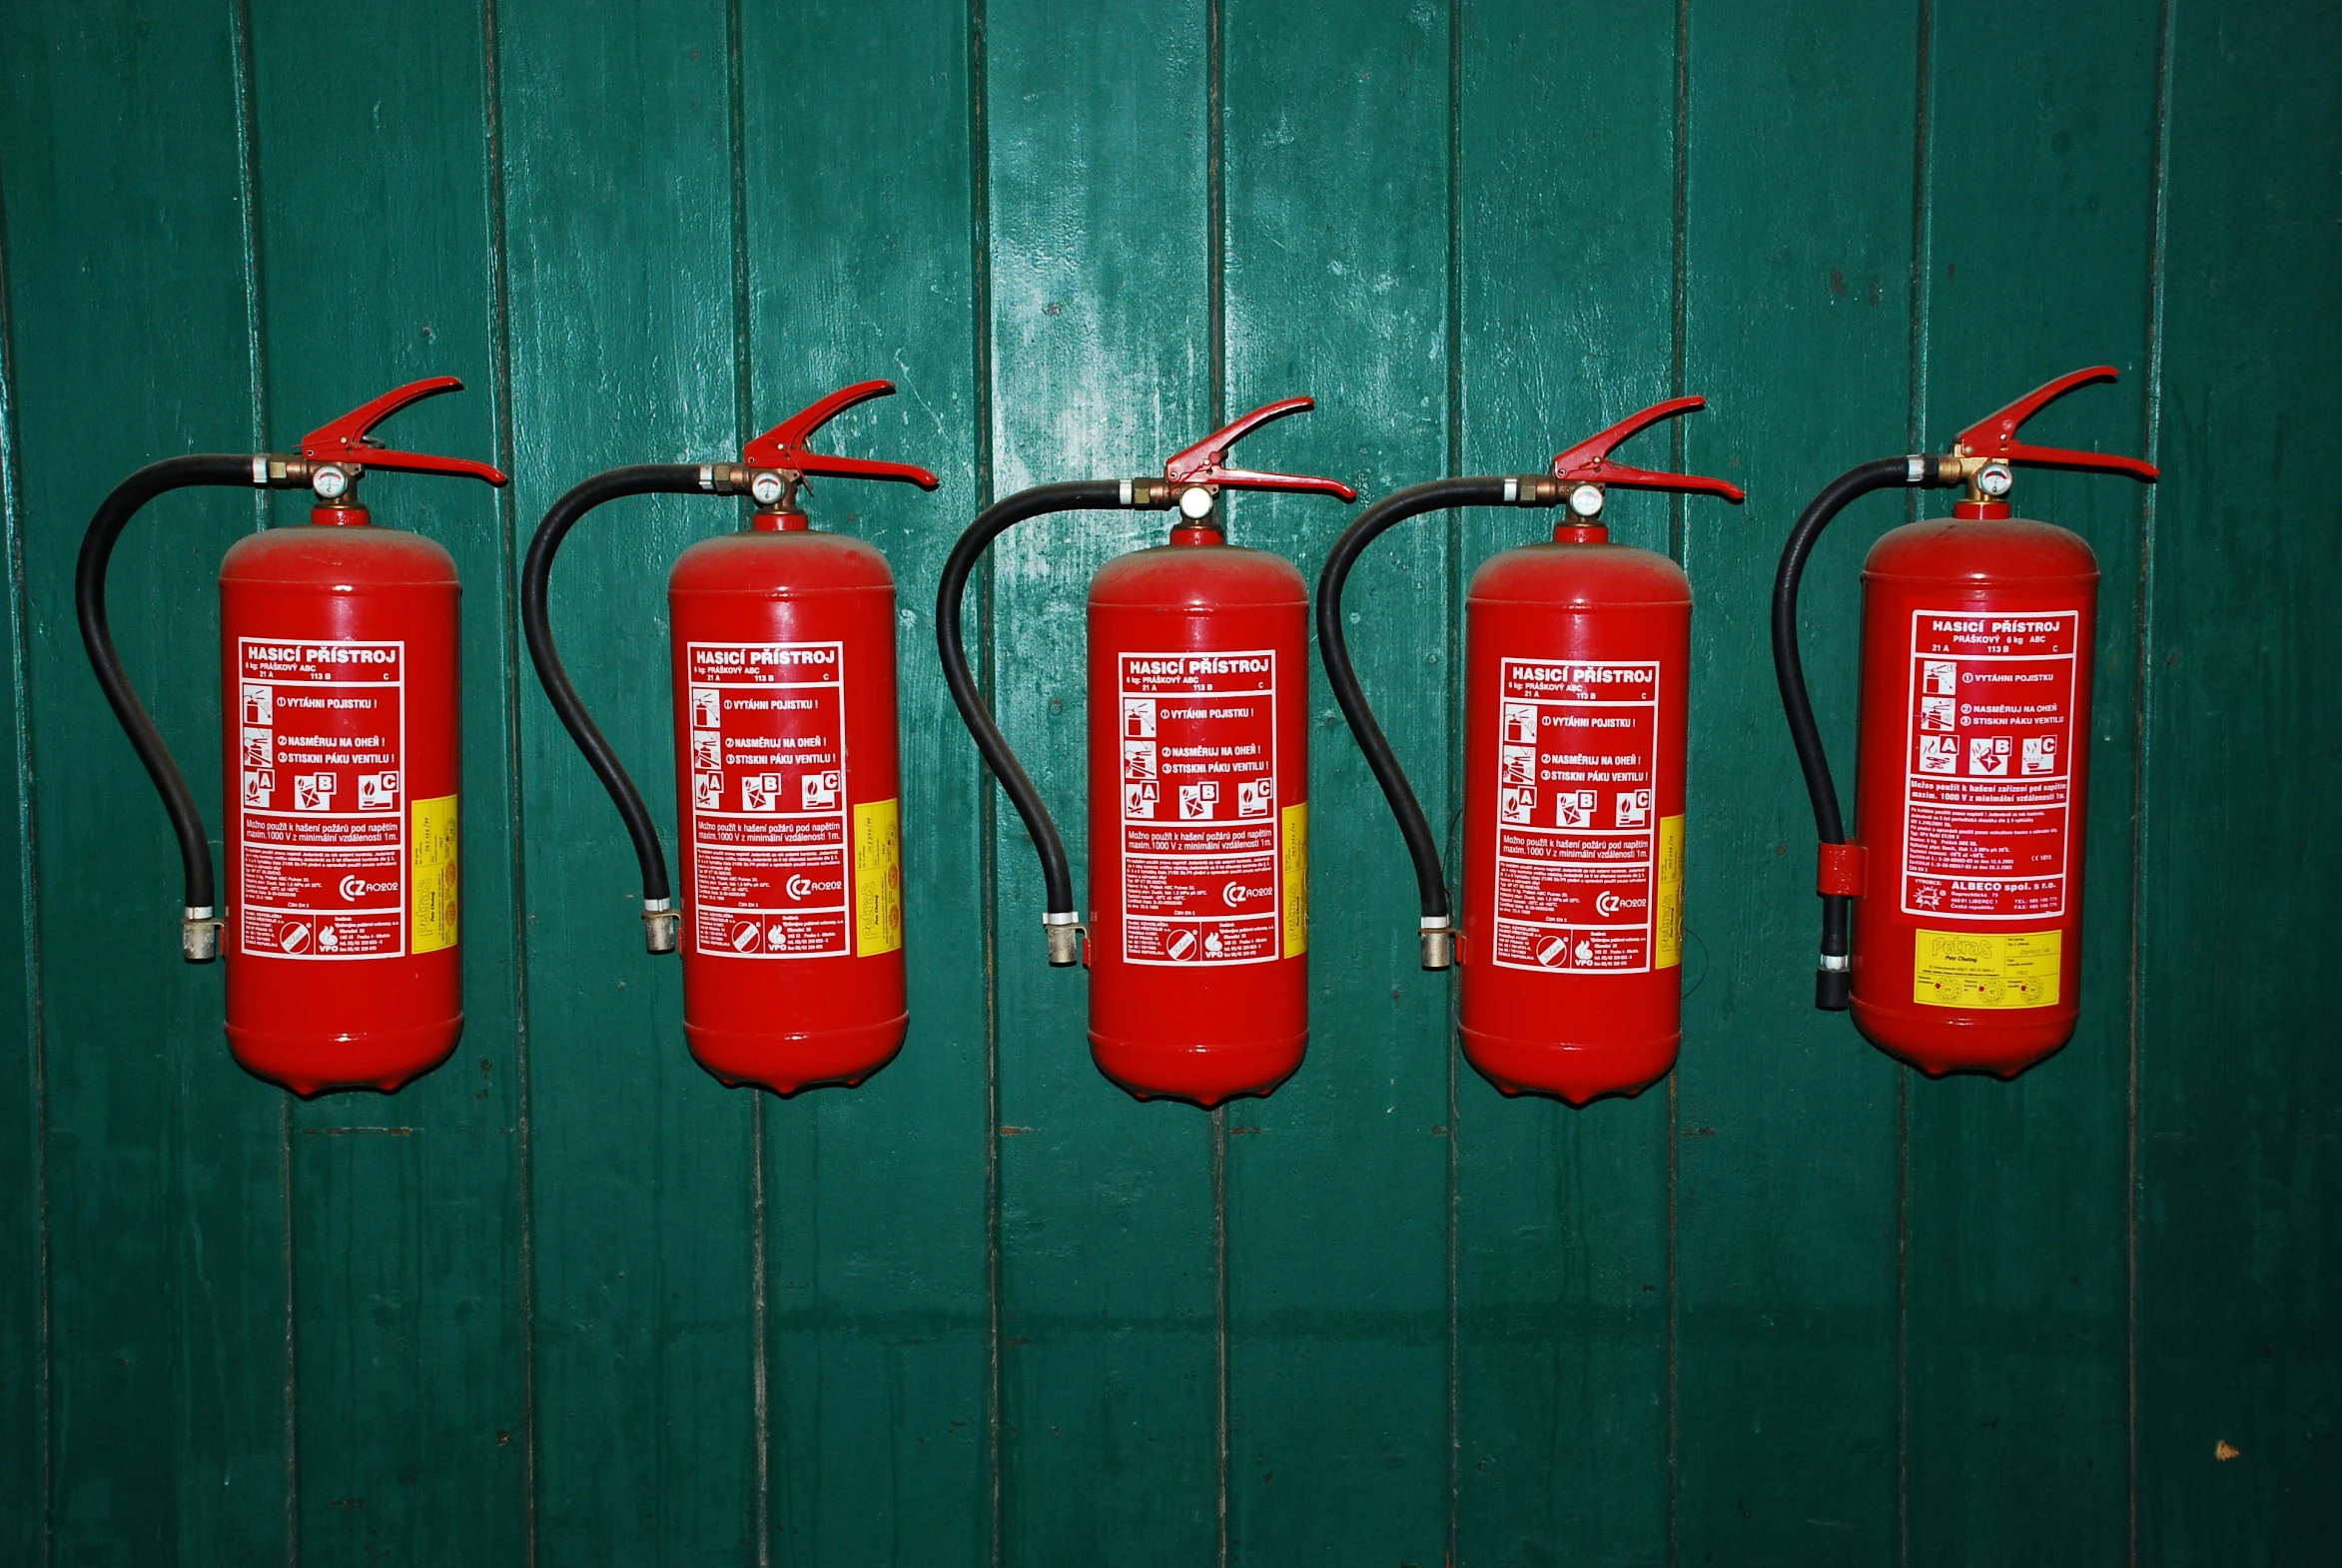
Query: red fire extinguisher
{"points": [[1973, 758], [341, 735], [786, 774], [1199, 782], [1577, 656]]}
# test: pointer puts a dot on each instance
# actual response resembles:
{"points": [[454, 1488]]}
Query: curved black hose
{"points": [[1083, 496], [1333, 647], [648, 478], [221, 470], [1832, 986]]}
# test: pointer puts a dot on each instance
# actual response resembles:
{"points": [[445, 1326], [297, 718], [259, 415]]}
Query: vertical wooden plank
{"points": [[1337, 286], [1798, 250], [1568, 237], [23, 1253], [618, 172], [406, 1217], [126, 272], [1096, 122], [2240, 1103], [859, 261], [2019, 1265]]}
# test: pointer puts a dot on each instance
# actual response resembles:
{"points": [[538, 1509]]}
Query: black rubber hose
{"points": [[223, 470], [1833, 988], [1086, 496], [1333, 647], [648, 479]]}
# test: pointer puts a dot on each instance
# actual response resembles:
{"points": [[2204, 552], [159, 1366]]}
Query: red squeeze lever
{"points": [[345, 443], [1588, 463], [1202, 464], [782, 448], [1993, 437]]}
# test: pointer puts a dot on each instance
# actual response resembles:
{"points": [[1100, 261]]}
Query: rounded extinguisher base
{"points": [[1941, 1048], [1208, 1075], [1579, 1074], [386, 1060], [788, 1065]]}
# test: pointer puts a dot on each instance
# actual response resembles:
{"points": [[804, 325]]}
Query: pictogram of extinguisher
{"points": [[786, 772], [1198, 781], [341, 737], [1964, 892], [1577, 654]]}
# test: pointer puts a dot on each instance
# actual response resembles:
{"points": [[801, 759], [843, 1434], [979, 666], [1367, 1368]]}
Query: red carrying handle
{"points": [[1204, 464], [1588, 463], [344, 440], [1993, 437], [783, 446]]}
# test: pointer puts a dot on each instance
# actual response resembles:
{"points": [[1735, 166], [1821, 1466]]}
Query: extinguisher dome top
{"points": [[1203, 466], [782, 448], [1588, 463], [340, 559], [1605, 576], [1981, 550], [344, 442], [781, 564], [1992, 440], [1179, 579]]}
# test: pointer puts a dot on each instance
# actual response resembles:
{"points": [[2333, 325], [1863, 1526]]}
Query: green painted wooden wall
{"points": [[567, 1300]]}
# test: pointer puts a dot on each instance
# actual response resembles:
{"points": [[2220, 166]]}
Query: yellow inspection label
{"points": [[1667, 916], [878, 878], [435, 881], [1975, 969], [1295, 871]]}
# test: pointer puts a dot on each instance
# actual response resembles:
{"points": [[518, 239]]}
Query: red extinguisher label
{"points": [[322, 858], [769, 836], [1202, 859], [1577, 824], [1986, 776]]}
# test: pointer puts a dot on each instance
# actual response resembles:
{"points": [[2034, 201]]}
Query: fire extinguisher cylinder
{"points": [[1577, 653], [787, 770], [1952, 917], [1197, 933], [340, 650]]}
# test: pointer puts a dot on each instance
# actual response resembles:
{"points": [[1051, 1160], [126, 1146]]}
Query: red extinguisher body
{"points": [[1978, 635], [786, 769], [1577, 658], [343, 729], [1198, 819]]}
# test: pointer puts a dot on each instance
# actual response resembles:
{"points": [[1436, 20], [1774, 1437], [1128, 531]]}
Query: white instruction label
{"points": [[321, 855], [1202, 865], [769, 840], [1577, 824], [1989, 764]]}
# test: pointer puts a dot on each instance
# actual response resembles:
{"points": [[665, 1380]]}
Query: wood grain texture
{"points": [[880, 1336], [169, 1372], [617, 135], [2241, 1092], [1339, 1359], [2016, 1323], [569, 1301], [1568, 233], [1101, 365], [24, 1220], [408, 1413], [1797, 279]]}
